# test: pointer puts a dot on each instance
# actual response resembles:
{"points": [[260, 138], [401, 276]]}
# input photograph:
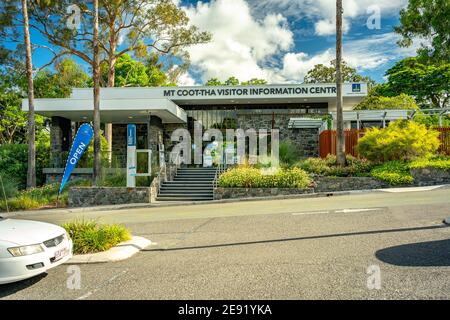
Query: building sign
{"points": [[356, 87], [254, 91], [131, 156]]}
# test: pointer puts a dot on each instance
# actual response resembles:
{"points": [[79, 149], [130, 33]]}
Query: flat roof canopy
{"points": [[121, 105], [374, 115], [112, 110], [204, 95]]}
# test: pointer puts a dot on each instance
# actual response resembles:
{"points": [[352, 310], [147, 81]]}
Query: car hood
{"points": [[26, 232]]}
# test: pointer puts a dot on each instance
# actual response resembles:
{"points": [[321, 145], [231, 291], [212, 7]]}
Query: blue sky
{"points": [[280, 40]]}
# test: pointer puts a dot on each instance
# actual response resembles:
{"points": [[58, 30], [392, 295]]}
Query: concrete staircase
{"points": [[189, 184]]}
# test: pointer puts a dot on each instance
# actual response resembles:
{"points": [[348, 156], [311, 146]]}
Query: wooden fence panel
{"points": [[327, 141]]}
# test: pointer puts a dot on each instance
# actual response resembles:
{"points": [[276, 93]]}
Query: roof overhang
{"points": [[306, 123], [374, 115], [238, 95], [112, 110]]}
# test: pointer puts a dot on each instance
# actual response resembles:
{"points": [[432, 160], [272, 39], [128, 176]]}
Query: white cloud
{"points": [[323, 12], [240, 43], [246, 47], [186, 80]]}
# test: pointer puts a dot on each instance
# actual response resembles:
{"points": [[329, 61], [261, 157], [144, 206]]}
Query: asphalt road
{"points": [[320, 248]]}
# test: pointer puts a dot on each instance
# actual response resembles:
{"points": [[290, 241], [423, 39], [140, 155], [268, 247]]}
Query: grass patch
{"points": [[91, 237], [41, 197]]}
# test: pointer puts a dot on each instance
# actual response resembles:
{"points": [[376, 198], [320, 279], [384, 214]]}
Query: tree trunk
{"points": [[31, 172], [111, 80], [340, 135], [96, 71]]}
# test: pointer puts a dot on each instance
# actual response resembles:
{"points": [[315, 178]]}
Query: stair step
{"points": [[187, 188], [165, 198]]}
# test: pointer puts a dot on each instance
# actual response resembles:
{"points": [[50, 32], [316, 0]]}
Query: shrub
{"points": [[45, 196], [393, 172], [91, 237], [442, 163], [401, 140], [288, 152], [250, 177], [14, 162], [329, 166]]}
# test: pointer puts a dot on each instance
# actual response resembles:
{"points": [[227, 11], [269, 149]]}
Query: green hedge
{"points": [[250, 177], [329, 167]]}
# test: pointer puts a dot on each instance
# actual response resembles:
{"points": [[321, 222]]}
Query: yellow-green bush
{"points": [[393, 172], [441, 163], [250, 177], [91, 237], [401, 140], [329, 166]]}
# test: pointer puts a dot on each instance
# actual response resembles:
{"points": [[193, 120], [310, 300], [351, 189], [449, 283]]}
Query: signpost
{"points": [[131, 156]]}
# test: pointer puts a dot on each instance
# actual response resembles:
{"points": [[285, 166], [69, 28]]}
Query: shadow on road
{"points": [[11, 288], [421, 254], [348, 234]]}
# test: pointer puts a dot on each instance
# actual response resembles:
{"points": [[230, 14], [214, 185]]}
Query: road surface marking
{"points": [[410, 189], [357, 210], [306, 213], [90, 293]]}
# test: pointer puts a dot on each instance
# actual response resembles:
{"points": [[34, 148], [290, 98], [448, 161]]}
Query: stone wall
{"points": [[332, 184], [234, 193], [97, 196], [430, 176], [322, 184], [306, 140]]}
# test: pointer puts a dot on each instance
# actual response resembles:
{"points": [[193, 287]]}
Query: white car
{"points": [[29, 248]]}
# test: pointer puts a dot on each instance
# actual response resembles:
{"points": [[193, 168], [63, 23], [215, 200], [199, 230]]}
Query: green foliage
{"points": [[9, 187], [393, 172], [329, 166], [91, 237], [426, 19], [128, 72], [373, 102], [428, 82], [13, 162], [13, 121], [440, 162], [401, 140], [118, 179], [68, 74], [432, 121], [233, 81], [324, 74], [254, 82], [40, 197], [289, 152], [250, 177]]}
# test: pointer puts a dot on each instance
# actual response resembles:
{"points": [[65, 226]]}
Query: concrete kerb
{"points": [[120, 252], [184, 203]]}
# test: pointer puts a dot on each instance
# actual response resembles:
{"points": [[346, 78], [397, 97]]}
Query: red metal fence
{"points": [[327, 141]]}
